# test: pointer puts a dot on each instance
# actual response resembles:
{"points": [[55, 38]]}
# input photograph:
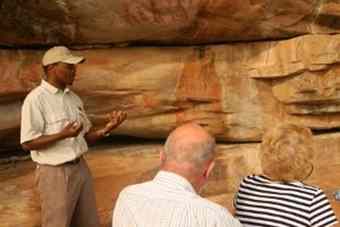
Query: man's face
{"points": [[65, 73]]}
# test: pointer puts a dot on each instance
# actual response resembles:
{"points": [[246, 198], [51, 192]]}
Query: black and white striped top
{"points": [[262, 202]]}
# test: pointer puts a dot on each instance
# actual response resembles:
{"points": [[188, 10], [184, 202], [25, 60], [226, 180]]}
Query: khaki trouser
{"points": [[66, 195]]}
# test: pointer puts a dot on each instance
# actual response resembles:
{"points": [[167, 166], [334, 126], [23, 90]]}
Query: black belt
{"points": [[73, 162]]}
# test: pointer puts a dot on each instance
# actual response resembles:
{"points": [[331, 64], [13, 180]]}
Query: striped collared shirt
{"points": [[47, 110], [262, 202], [168, 200]]}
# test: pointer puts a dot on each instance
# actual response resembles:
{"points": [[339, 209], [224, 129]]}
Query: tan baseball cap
{"points": [[60, 54]]}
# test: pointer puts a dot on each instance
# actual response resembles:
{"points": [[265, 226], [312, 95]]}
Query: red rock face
{"points": [[236, 91], [152, 22], [199, 90]]}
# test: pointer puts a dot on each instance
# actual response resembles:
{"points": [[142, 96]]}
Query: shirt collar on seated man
{"points": [[173, 180]]}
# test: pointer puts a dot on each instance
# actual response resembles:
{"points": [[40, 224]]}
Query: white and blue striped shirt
{"points": [[168, 200]]}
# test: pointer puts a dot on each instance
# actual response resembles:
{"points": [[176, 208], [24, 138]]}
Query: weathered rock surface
{"points": [[114, 167], [78, 22], [235, 91]]}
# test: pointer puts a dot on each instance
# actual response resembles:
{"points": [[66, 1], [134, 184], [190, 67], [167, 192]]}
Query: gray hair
{"points": [[196, 152]]}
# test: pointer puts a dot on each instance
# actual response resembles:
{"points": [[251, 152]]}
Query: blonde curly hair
{"points": [[287, 153]]}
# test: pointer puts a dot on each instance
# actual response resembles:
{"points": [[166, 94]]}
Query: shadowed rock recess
{"points": [[235, 67]]}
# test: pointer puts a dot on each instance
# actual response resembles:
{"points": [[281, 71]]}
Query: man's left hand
{"points": [[115, 119]]}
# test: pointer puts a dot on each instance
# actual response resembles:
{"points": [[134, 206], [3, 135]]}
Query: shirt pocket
{"points": [[82, 118], [56, 122]]}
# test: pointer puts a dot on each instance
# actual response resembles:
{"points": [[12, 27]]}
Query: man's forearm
{"points": [[43, 141], [94, 134]]}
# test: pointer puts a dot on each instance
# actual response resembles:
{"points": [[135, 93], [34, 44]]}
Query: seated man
{"points": [[171, 198]]}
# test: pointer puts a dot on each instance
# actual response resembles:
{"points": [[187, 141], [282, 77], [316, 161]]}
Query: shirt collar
{"points": [[52, 88], [266, 178], [173, 180]]}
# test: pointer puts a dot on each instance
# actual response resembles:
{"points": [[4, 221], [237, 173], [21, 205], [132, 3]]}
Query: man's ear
{"points": [[162, 155], [209, 169]]}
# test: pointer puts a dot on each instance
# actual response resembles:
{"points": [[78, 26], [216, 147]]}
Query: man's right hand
{"points": [[42, 142], [72, 129]]}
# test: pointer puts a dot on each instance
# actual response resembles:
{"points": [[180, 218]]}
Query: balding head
{"points": [[189, 144], [189, 152]]}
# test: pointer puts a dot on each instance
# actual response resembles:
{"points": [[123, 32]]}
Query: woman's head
{"points": [[287, 153]]}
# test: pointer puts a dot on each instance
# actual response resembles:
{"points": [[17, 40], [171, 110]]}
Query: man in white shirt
{"points": [[55, 128], [171, 198]]}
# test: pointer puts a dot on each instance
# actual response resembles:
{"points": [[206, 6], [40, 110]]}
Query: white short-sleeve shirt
{"points": [[169, 200], [47, 110]]}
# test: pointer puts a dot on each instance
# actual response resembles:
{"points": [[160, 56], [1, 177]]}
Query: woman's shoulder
{"points": [[310, 188], [258, 179]]}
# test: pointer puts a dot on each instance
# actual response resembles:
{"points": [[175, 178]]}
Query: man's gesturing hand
{"points": [[72, 129], [115, 119]]}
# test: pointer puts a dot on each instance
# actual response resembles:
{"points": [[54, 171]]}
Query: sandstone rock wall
{"points": [[78, 22], [255, 64], [236, 91]]}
